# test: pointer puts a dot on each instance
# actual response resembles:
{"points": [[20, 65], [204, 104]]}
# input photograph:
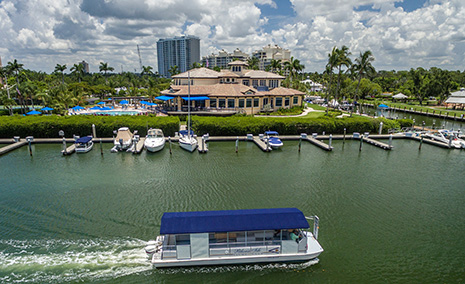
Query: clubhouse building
{"points": [[237, 90]]}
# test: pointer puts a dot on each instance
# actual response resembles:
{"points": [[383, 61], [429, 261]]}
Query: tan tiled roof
{"points": [[227, 73], [258, 74], [238, 62], [198, 73], [217, 90], [281, 91]]}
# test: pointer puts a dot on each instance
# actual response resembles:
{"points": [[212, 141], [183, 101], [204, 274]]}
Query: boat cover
{"points": [[84, 140], [124, 134], [185, 132], [232, 220]]}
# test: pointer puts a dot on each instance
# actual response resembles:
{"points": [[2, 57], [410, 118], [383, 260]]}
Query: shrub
{"points": [[48, 126]]}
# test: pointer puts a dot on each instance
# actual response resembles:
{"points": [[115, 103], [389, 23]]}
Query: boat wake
{"points": [[47, 261], [239, 268]]}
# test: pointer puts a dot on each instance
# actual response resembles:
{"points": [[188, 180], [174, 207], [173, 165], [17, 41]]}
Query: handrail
{"points": [[316, 226]]}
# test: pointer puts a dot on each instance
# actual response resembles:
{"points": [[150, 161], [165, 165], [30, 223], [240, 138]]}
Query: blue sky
{"points": [[401, 34]]}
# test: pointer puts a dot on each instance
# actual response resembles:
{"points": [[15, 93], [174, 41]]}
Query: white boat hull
{"points": [[84, 149], [188, 143], [154, 145]]}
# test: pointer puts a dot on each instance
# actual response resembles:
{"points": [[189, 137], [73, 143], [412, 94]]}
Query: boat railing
{"points": [[316, 225], [246, 248]]}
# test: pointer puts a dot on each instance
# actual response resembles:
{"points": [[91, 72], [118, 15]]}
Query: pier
{"points": [[13, 146], [377, 143], [69, 150], [262, 145], [318, 143]]}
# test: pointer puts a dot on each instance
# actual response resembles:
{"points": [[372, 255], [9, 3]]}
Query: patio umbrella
{"points": [[101, 103], [105, 108], [46, 108], [383, 106], [124, 102], [95, 108], [151, 104], [77, 108], [32, 112], [143, 102]]}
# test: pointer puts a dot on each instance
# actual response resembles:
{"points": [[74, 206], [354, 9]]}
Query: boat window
{"points": [[184, 239]]}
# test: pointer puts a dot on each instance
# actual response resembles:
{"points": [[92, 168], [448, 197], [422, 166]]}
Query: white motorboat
{"points": [[84, 144], [448, 136], [234, 237], [187, 138], [272, 137], [123, 140], [154, 141]]}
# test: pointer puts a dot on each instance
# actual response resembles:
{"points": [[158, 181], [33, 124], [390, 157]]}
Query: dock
{"points": [[69, 150], [377, 143], [318, 143], [139, 146], [432, 142], [262, 145], [202, 145], [13, 146]]}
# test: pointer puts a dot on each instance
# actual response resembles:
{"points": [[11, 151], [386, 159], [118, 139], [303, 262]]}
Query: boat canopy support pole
{"points": [[316, 225]]}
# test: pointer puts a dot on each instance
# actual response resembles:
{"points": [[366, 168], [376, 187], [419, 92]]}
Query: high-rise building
{"points": [[178, 51], [223, 58], [270, 52], [86, 66], [1, 79]]}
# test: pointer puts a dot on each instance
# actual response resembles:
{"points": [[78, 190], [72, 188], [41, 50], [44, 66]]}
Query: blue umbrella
{"points": [[383, 106], [124, 102], [77, 108], [143, 102], [101, 103], [95, 107], [32, 112], [105, 108], [151, 104], [47, 108]]}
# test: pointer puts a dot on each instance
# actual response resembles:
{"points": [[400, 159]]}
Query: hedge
{"points": [[233, 126], [48, 126]]}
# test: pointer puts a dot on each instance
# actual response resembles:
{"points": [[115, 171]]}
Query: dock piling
{"points": [[421, 142], [390, 141], [29, 141], [330, 140], [101, 147], [93, 131], [361, 142], [64, 146], [344, 137], [380, 128], [237, 144], [169, 140]]}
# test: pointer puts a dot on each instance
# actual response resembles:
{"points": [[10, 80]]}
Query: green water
{"points": [[385, 216]]}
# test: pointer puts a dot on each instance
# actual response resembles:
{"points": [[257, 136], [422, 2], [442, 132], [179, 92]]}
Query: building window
{"points": [[262, 82], [231, 103], [279, 102], [248, 103], [274, 83], [213, 103], [295, 101], [286, 101], [256, 102], [241, 103], [222, 103], [254, 83], [245, 82]]}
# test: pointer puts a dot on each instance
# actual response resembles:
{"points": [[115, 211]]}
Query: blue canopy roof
{"points": [[32, 112], [84, 139], [105, 108], [77, 107], [201, 98], [271, 133], [185, 132], [124, 102], [232, 220], [164, 98], [95, 107], [101, 103]]}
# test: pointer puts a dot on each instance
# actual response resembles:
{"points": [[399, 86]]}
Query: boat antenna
{"points": [[189, 105]]}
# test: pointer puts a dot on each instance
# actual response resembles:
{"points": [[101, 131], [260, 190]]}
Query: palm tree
{"points": [[253, 63], [363, 67], [173, 70], [294, 67], [15, 67], [104, 68], [276, 65], [61, 68], [342, 60], [147, 70], [78, 70], [332, 62]]}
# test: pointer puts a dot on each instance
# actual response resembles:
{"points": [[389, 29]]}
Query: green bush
{"points": [[48, 126], [233, 126]]}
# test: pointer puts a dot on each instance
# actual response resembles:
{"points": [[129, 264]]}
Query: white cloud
{"points": [[42, 33]]}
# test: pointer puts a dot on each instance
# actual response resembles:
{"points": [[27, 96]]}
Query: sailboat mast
{"points": [[189, 105]]}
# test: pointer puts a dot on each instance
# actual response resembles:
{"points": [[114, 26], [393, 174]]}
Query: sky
{"points": [[401, 34]]}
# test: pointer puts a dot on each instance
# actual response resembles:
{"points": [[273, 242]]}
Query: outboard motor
{"points": [[151, 248], [121, 143]]}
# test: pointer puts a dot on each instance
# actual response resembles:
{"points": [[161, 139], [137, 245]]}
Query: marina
{"points": [[88, 217]]}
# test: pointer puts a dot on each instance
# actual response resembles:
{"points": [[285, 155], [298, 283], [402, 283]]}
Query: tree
{"points": [[147, 70], [61, 69], [253, 63], [275, 65], [294, 67], [78, 70], [173, 70], [332, 62], [417, 87], [196, 65], [15, 67], [342, 60], [363, 67], [105, 68]]}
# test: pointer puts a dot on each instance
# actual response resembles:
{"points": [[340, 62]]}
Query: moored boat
{"points": [[272, 137], [123, 140], [84, 144], [155, 140], [234, 237], [188, 140], [449, 137]]}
